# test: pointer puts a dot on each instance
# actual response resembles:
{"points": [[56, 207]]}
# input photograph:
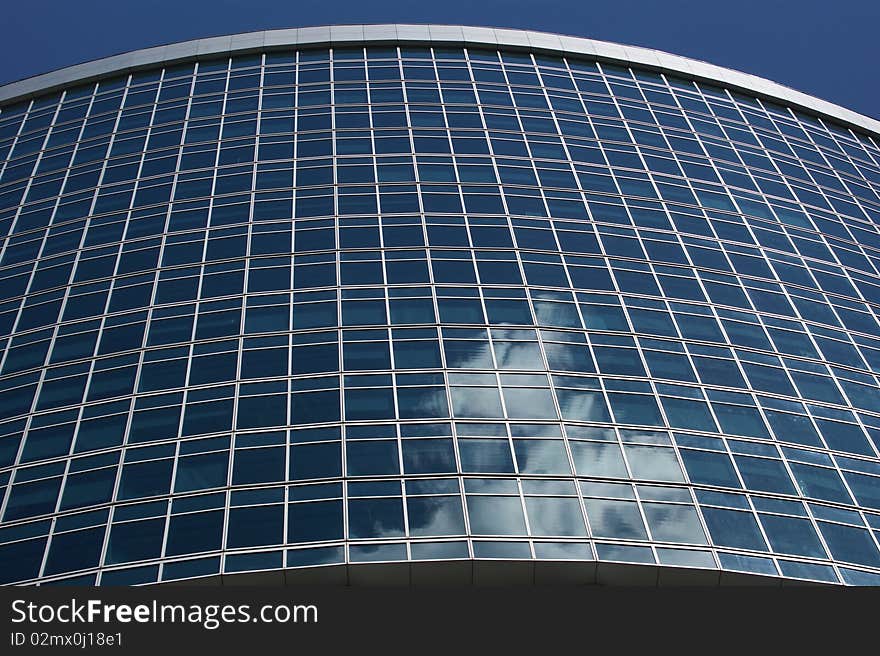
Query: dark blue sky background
{"points": [[827, 49]]}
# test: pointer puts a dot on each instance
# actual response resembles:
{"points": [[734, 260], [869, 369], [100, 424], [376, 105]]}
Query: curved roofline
{"points": [[449, 35]]}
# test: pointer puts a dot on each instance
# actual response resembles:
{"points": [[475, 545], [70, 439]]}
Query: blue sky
{"points": [[828, 49]]}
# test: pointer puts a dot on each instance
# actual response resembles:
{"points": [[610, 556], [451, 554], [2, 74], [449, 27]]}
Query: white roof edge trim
{"points": [[339, 35]]}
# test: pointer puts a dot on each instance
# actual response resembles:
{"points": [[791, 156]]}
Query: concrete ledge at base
{"points": [[266, 579], [672, 577], [737, 579], [205, 581], [444, 574], [565, 573], [800, 583], [495, 573], [622, 574], [334, 575], [384, 575]]}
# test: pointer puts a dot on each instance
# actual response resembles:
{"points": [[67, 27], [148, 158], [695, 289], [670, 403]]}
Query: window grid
{"points": [[525, 213]]}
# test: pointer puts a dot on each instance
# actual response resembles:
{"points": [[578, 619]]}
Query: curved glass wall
{"points": [[408, 303]]}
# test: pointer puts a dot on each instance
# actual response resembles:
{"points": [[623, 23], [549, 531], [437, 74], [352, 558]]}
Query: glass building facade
{"points": [[401, 300]]}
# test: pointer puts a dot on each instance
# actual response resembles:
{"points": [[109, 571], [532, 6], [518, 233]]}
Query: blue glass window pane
{"points": [[598, 459], [740, 420], [670, 365], [763, 474], [790, 535], [315, 522], [491, 515], [366, 355], [508, 312], [462, 354], [476, 402], [460, 310], [485, 456], [314, 407], [653, 463], [20, 561], [371, 457], [9, 450], [542, 457], [820, 483], [435, 516], [376, 403], [375, 518], [89, 488], [733, 528], [428, 456], [618, 361], [635, 409], [793, 428], [569, 357], [321, 460], [417, 355], [133, 541], [211, 417], [708, 468], [258, 466], [604, 317], [412, 310], [556, 315], [687, 413], [109, 431], [673, 523], [615, 519], [526, 403], [845, 437], [865, 488], [255, 526], [145, 479], [652, 323], [314, 315], [422, 402], [264, 363], [201, 472], [69, 552], [580, 405], [262, 411], [850, 544], [549, 516], [518, 355], [154, 424], [363, 313], [313, 359], [213, 368], [30, 499]]}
